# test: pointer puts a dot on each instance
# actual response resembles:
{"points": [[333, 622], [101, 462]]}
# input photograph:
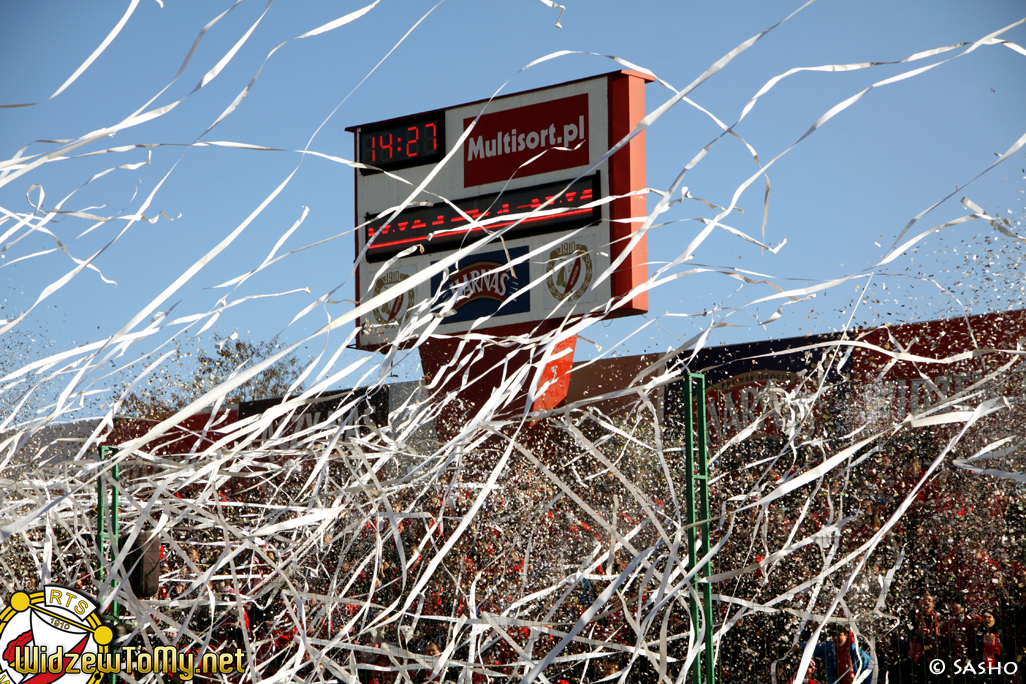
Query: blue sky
{"points": [[840, 198]]}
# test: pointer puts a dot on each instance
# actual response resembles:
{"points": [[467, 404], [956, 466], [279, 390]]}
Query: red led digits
{"points": [[416, 137], [402, 144]]}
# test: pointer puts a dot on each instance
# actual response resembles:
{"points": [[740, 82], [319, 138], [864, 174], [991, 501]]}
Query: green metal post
{"points": [[696, 464], [703, 491], [105, 451], [101, 523], [689, 507]]}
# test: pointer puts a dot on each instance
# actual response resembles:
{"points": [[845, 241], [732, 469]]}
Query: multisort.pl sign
{"points": [[501, 143]]}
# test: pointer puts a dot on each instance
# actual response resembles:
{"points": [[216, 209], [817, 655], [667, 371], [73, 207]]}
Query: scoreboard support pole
{"points": [[107, 535], [696, 465], [474, 384]]}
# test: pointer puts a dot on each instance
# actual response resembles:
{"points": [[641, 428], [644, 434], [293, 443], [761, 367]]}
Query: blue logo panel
{"points": [[481, 283]]}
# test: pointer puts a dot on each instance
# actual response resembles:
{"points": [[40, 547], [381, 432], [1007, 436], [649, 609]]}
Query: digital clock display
{"points": [[402, 144], [441, 227]]}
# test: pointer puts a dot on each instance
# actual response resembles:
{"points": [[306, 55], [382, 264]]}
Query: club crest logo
{"points": [[569, 271], [53, 635], [396, 311]]}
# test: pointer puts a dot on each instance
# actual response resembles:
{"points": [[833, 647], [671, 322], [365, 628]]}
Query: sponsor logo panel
{"points": [[502, 141], [484, 285]]}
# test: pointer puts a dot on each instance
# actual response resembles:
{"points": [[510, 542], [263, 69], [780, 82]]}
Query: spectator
{"points": [[610, 668], [957, 629], [810, 675], [926, 623], [1015, 618], [988, 646], [433, 652], [843, 661], [913, 668]]}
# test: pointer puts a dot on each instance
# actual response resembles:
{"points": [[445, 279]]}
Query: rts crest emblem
{"points": [[569, 271], [395, 312], [52, 635]]}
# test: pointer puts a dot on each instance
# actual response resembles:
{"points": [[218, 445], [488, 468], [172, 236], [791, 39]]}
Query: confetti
{"points": [[354, 517]]}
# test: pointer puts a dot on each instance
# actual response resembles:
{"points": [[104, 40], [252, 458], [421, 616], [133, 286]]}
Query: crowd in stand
{"points": [[945, 581]]}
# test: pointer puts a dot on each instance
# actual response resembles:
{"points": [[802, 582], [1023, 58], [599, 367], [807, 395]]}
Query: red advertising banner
{"points": [[868, 385], [892, 389], [502, 141]]}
